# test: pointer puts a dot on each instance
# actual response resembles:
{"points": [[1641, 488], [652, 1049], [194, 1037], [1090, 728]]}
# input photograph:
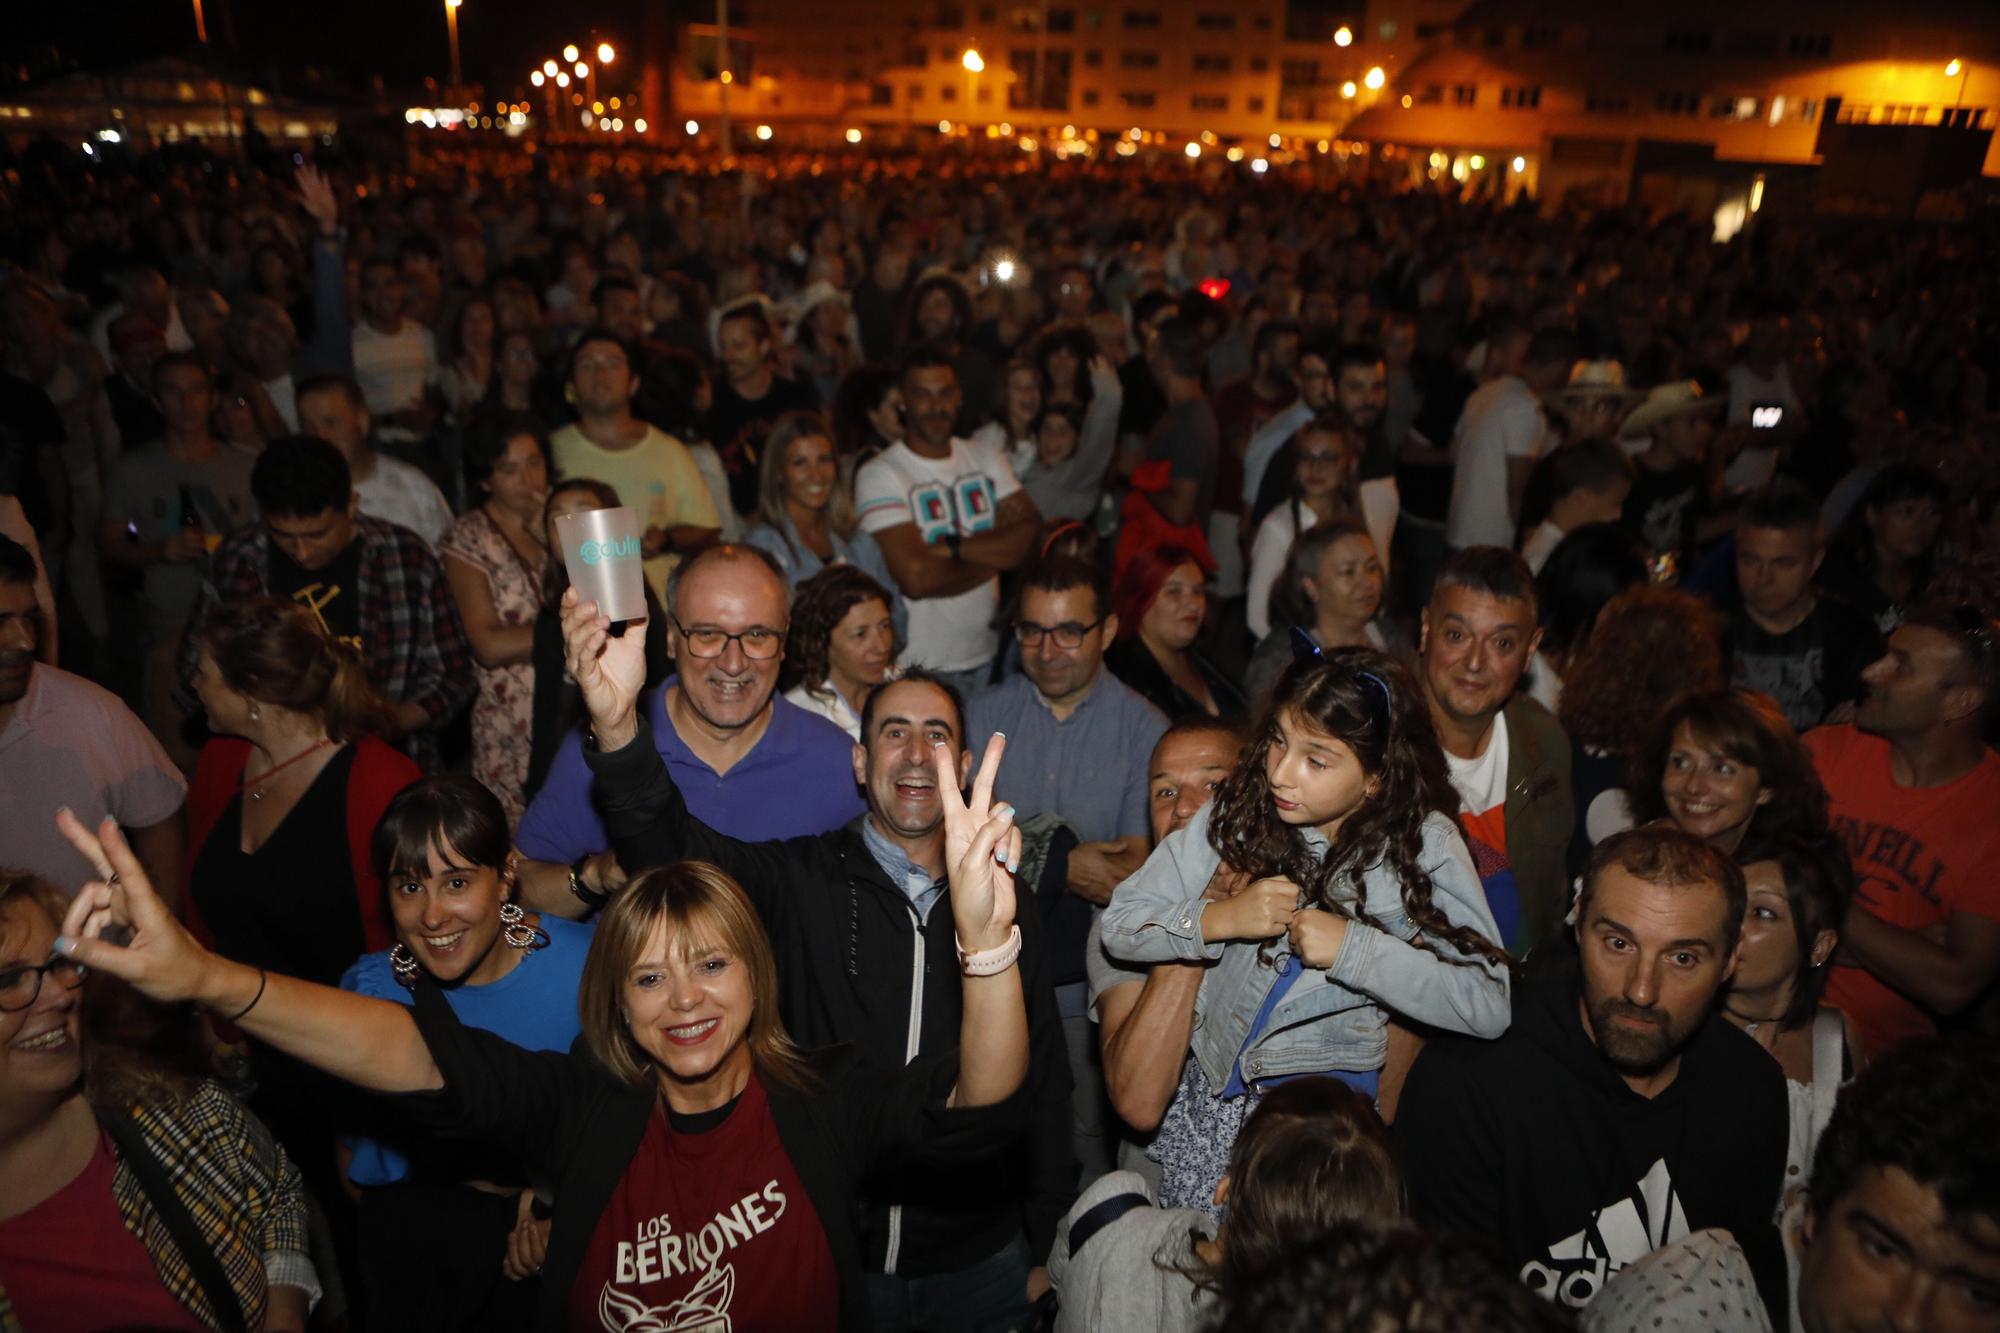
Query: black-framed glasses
{"points": [[758, 643], [1069, 634], [20, 985]]}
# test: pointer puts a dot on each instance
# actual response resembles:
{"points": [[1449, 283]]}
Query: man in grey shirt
{"points": [[1078, 740]]}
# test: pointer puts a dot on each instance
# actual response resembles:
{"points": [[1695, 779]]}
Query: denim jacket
{"points": [[1332, 1018]]}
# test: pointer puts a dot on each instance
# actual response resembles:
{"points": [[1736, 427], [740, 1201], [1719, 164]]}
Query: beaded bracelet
{"points": [[992, 961]]}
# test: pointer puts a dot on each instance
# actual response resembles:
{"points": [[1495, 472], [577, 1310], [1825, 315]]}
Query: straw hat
{"points": [[1678, 398], [1598, 379]]}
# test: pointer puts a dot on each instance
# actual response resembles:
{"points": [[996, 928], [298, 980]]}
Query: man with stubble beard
{"points": [[862, 930], [1619, 1113]]}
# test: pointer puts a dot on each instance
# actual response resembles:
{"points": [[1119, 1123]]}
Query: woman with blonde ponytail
{"points": [[281, 811]]}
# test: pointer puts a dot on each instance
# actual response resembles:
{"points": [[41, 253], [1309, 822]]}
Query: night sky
{"points": [[403, 40]]}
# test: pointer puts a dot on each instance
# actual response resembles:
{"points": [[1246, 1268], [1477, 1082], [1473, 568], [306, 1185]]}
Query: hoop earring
{"points": [[515, 929], [404, 964]]}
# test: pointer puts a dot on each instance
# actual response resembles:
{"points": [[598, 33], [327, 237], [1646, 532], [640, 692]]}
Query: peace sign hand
{"points": [[159, 958], [982, 849]]}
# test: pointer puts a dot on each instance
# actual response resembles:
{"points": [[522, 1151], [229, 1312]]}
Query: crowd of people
{"points": [[1203, 751]]}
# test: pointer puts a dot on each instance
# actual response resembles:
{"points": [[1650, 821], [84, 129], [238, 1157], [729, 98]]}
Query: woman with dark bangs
{"points": [[1725, 765], [1363, 905], [437, 1233]]}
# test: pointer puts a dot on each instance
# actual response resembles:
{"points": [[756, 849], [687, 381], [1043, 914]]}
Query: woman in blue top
{"points": [[443, 1247], [805, 508]]}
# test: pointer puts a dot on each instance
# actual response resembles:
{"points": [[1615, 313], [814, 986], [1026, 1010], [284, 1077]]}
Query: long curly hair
{"points": [[1649, 646], [1749, 729], [818, 606], [1370, 703]]}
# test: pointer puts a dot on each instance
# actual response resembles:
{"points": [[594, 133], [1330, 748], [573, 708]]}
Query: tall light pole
{"points": [[724, 75], [200, 24], [451, 25]]}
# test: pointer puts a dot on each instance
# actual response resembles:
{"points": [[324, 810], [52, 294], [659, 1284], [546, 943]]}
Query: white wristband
{"points": [[993, 961]]}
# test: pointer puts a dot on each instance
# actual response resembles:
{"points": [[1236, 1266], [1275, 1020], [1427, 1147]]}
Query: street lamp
{"points": [[973, 62], [451, 23], [1952, 68], [569, 53], [1375, 78], [605, 53], [1347, 89], [1343, 36], [549, 68]]}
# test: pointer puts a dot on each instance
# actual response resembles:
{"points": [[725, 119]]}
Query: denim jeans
{"points": [[989, 1297]]}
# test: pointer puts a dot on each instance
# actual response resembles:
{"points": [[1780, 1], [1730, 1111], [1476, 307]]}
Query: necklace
{"points": [[1752, 1026], [255, 786]]}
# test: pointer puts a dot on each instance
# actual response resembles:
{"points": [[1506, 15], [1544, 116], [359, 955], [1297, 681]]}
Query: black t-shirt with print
{"points": [[333, 591]]}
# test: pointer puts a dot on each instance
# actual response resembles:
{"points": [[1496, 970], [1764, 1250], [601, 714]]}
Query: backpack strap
{"points": [[1829, 1052], [1101, 1215], [173, 1214]]}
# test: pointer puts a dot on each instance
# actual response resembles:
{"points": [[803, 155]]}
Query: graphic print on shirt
{"points": [[1793, 679], [965, 506], [1889, 862], [1620, 1233], [658, 1253], [316, 598]]}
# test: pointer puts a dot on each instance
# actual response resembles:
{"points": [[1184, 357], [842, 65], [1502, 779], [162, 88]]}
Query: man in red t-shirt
{"points": [[1916, 798]]}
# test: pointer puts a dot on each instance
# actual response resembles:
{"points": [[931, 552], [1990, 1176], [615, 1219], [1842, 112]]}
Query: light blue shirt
{"points": [[1089, 768], [1265, 443]]}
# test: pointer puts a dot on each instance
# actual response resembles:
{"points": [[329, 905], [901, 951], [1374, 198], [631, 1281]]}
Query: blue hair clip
{"points": [[1305, 648]]}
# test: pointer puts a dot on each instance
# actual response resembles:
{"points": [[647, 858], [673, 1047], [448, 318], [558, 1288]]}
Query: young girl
{"points": [[1363, 904]]}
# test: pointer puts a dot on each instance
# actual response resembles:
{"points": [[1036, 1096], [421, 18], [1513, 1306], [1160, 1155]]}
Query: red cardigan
{"points": [[379, 772]]}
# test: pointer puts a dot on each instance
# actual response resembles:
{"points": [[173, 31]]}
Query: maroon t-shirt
{"points": [[709, 1230], [68, 1264]]}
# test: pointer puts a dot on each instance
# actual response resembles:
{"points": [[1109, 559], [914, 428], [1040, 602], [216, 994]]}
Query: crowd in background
{"points": [[1482, 717]]}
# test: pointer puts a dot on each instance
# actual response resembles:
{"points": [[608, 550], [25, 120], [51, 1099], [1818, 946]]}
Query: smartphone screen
{"points": [[1766, 416]]}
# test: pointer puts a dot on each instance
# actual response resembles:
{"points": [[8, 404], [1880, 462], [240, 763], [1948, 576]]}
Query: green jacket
{"points": [[1541, 816]]}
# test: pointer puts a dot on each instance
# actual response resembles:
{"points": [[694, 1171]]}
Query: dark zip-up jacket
{"points": [[575, 1129], [856, 967]]}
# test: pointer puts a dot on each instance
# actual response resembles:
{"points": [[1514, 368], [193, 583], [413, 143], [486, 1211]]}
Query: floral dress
{"points": [[502, 715]]}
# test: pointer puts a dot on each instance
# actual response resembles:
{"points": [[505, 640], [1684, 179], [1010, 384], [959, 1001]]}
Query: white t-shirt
{"points": [[1541, 543], [1502, 420], [1757, 464], [1482, 782], [1268, 555], [960, 493], [393, 369], [397, 493]]}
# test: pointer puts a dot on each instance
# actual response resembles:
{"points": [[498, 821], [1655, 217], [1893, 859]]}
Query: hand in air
{"points": [[609, 671], [159, 957], [982, 849]]}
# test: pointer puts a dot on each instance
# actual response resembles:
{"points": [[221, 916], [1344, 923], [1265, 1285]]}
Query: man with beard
{"points": [[1621, 1112], [863, 937], [1355, 379], [67, 742], [750, 763]]}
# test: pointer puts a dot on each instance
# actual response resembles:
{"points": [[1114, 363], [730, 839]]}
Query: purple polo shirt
{"points": [[797, 780]]}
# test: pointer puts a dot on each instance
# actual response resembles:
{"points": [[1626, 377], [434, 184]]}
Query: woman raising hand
{"points": [[703, 1166]]}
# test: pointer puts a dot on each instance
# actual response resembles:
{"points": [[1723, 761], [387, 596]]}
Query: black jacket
{"points": [[849, 945], [576, 1129], [1536, 1146]]}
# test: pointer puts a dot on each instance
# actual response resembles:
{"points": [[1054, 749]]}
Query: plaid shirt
{"points": [[411, 636], [244, 1195]]}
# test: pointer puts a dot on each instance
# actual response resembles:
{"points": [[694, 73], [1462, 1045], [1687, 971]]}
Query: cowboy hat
{"points": [[1678, 398]]}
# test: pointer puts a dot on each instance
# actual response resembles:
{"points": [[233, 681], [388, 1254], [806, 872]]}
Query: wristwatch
{"points": [[582, 892]]}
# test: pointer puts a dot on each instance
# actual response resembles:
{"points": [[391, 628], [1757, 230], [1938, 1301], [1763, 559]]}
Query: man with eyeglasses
{"points": [[750, 763], [1078, 744], [66, 742], [1915, 795]]}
